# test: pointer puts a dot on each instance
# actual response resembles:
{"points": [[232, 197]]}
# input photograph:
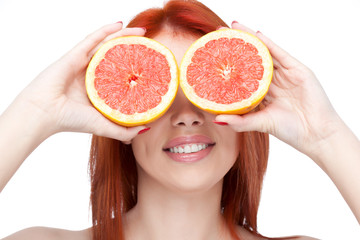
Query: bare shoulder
{"points": [[35, 233], [305, 238], [251, 236]]}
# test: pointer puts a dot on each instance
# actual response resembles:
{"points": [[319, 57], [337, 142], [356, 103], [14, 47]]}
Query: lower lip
{"points": [[190, 157]]}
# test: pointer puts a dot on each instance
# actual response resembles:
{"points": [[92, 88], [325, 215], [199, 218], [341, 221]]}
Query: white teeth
{"points": [[188, 148]]}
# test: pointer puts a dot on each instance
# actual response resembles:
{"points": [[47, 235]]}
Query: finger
{"points": [[79, 57], [92, 40], [221, 27], [136, 31], [236, 25], [130, 133], [255, 121], [280, 55], [115, 131], [99, 125], [276, 63]]}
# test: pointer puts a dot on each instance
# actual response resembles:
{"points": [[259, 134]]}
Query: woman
{"points": [[147, 195]]}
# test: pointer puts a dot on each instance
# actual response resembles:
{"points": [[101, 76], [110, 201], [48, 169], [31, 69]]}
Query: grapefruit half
{"points": [[132, 80], [226, 71]]}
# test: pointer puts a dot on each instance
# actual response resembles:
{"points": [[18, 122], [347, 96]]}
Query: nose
{"points": [[184, 113]]}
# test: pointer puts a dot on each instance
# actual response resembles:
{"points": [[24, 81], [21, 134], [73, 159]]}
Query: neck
{"points": [[161, 213]]}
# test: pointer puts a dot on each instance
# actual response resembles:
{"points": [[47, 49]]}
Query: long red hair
{"points": [[112, 164]]}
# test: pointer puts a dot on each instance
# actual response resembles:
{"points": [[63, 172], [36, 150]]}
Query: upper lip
{"points": [[182, 140]]}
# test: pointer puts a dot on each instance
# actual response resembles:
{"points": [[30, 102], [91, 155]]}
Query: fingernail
{"points": [[144, 29], [221, 123], [120, 22], [144, 130], [234, 22], [258, 32]]}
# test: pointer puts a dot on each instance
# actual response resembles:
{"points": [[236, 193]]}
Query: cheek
{"points": [[143, 157], [229, 149], [230, 143], [147, 146], [139, 146]]}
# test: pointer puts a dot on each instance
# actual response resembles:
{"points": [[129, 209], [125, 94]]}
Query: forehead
{"points": [[177, 43]]}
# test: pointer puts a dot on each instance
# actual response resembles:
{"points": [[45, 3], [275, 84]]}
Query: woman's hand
{"points": [[297, 110], [58, 94], [56, 101]]}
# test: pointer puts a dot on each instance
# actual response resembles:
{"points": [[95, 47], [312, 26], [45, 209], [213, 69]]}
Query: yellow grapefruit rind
{"points": [[238, 107], [137, 118]]}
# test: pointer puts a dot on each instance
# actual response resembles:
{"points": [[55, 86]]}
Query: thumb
{"points": [[254, 121], [124, 134], [102, 126]]}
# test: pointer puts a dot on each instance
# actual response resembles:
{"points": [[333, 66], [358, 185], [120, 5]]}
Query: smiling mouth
{"points": [[189, 148]]}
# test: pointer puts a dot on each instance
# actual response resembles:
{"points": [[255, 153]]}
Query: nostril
{"points": [[196, 123], [187, 117]]}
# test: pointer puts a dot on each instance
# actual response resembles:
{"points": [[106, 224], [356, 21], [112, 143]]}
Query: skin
{"points": [[180, 193], [297, 111]]}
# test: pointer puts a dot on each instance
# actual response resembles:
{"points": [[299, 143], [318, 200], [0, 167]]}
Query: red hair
{"points": [[112, 164]]}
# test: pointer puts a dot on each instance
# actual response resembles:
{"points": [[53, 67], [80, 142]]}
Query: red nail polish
{"points": [[234, 22], [221, 123], [144, 130]]}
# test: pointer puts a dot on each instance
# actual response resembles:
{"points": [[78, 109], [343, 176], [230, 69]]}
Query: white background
{"points": [[51, 187]]}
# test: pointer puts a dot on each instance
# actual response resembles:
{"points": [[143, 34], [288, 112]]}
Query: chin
{"points": [[197, 188], [165, 174], [190, 182]]}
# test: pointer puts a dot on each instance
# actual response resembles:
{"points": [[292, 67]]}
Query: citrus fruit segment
{"points": [[226, 71], [132, 80]]}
